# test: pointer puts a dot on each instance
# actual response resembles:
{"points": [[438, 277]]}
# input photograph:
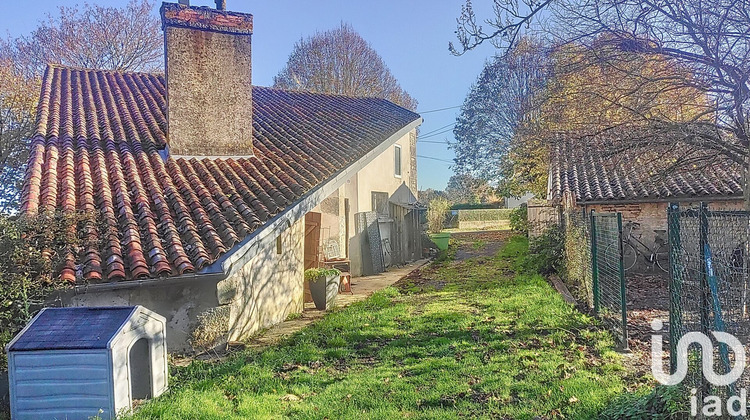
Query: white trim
{"points": [[212, 157], [243, 252]]}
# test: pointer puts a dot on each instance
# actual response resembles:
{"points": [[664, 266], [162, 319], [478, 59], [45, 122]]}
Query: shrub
{"points": [[484, 215], [663, 402], [315, 274], [547, 252], [31, 251], [477, 206], [212, 328], [436, 212], [519, 220]]}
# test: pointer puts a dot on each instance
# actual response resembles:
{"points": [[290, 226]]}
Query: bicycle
{"points": [[657, 256]]}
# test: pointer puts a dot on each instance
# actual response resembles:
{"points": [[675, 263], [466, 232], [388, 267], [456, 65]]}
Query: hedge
{"points": [[484, 215]]}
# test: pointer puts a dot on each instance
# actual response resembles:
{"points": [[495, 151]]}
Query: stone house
{"points": [[212, 195], [586, 179]]}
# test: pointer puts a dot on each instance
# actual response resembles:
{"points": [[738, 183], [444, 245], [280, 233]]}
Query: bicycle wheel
{"points": [[662, 257], [629, 256]]}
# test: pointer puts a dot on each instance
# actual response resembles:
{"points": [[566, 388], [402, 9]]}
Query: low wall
{"points": [[181, 304]]}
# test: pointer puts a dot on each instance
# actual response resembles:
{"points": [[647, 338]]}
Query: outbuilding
{"points": [[77, 363], [585, 179]]}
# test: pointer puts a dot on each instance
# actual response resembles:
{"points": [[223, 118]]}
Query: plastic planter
{"points": [[441, 240]]}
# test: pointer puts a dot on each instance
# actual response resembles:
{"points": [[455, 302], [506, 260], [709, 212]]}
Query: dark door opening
{"points": [[140, 369]]}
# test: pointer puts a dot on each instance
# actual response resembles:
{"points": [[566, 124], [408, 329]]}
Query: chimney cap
{"points": [[206, 19], [220, 4]]}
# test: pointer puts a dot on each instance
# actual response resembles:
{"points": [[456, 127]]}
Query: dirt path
{"points": [[480, 243]]}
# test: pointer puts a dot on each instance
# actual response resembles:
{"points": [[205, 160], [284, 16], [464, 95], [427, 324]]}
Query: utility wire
{"points": [[440, 109], [437, 129], [447, 130], [435, 142], [437, 159]]}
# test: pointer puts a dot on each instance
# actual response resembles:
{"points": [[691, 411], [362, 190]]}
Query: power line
{"points": [[437, 159], [438, 129], [435, 142], [448, 130], [438, 110]]}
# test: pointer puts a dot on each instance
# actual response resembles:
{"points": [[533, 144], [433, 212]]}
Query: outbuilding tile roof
{"points": [[100, 144], [592, 175]]}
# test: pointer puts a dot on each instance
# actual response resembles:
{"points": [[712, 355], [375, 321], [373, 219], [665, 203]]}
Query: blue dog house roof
{"points": [[72, 328]]}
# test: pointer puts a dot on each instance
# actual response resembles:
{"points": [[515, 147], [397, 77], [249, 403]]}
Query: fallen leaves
{"points": [[290, 397]]}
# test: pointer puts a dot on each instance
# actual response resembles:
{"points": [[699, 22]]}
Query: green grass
{"points": [[488, 341]]}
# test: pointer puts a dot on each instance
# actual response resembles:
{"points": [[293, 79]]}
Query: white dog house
{"points": [[75, 363]]}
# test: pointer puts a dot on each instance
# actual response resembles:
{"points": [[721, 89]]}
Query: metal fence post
{"points": [[704, 308], [594, 264], [703, 229], [623, 287], [675, 282]]}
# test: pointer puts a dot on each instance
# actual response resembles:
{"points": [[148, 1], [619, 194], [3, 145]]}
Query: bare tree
{"points": [[710, 39], [113, 38], [18, 97], [340, 61], [125, 39]]}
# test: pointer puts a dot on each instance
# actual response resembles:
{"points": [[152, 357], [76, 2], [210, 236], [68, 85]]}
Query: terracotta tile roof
{"points": [[99, 144], [591, 175]]}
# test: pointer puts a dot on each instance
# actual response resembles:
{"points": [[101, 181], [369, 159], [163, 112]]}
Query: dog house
{"points": [[76, 363]]}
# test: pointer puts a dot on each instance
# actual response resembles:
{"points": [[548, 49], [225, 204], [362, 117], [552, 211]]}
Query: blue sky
{"points": [[411, 35]]}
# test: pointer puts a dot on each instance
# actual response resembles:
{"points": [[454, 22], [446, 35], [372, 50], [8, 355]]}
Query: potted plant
{"points": [[324, 286], [436, 212]]}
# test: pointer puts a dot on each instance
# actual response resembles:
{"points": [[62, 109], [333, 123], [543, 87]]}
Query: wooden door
{"points": [[312, 246], [312, 240]]}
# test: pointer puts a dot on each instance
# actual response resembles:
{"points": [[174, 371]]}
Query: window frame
{"points": [[383, 195]]}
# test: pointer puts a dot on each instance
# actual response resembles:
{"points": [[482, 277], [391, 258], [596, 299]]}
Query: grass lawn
{"points": [[476, 338]]}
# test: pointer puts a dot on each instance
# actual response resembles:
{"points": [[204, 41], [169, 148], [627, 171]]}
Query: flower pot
{"points": [[324, 291], [441, 240]]}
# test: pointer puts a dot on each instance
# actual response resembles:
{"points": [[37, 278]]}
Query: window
{"points": [[380, 203], [397, 161], [278, 244]]}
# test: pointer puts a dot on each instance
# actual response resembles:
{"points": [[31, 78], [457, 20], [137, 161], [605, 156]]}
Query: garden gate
{"points": [[608, 274]]}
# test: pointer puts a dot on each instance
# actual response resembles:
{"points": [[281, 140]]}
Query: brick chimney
{"points": [[209, 83]]}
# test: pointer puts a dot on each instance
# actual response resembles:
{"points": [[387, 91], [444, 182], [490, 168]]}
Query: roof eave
{"points": [[681, 199]]}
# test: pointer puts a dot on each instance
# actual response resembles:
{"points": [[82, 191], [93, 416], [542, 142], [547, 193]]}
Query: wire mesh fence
{"points": [[577, 231], [608, 273], [709, 283]]}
